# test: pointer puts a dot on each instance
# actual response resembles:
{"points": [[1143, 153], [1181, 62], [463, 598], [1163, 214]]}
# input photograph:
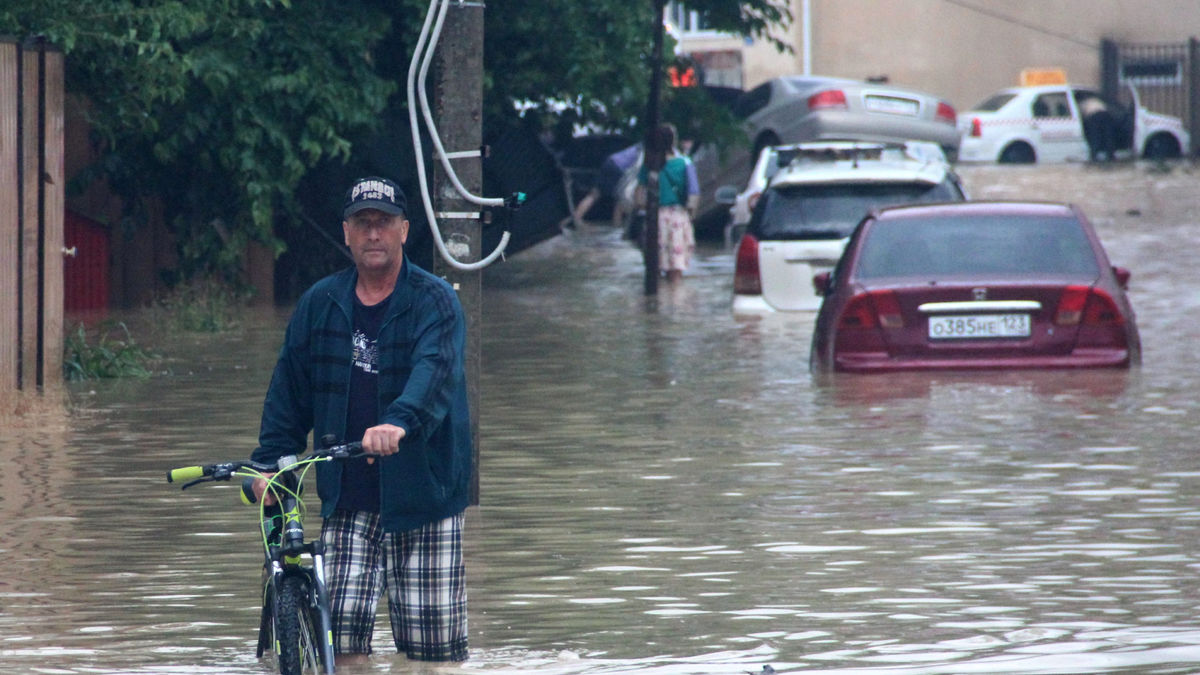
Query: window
{"points": [[1003, 246], [994, 103], [1152, 73], [1052, 105], [831, 211], [685, 20]]}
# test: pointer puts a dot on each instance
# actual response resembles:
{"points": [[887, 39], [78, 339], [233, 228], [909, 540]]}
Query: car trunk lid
{"points": [[974, 319], [787, 269]]}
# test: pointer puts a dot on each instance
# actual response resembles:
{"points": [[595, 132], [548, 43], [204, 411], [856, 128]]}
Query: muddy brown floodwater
{"points": [[666, 489]]}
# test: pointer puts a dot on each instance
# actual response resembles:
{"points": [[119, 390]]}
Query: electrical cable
{"points": [[427, 42], [1023, 24], [423, 96]]}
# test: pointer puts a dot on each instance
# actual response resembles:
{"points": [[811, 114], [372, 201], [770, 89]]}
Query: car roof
{"points": [[806, 82], [979, 208], [801, 81], [857, 162], [1039, 88]]}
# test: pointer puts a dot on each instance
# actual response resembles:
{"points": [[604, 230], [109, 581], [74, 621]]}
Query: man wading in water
{"points": [[375, 352]]}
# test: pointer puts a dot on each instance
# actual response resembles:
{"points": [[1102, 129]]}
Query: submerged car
{"points": [[974, 285], [793, 109], [1026, 125], [801, 222]]}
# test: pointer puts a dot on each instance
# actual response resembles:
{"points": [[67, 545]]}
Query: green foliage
{"points": [[200, 306], [113, 354], [214, 112], [696, 116], [591, 55], [216, 107], [595, 56]]}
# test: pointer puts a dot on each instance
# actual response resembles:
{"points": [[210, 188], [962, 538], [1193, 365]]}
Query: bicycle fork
{"points": [[321, 604]]}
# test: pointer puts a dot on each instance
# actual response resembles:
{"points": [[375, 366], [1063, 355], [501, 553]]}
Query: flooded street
{"points": [[667, 490]]}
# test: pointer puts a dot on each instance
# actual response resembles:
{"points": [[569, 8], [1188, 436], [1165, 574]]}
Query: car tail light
{"points": [[1071, 304], [976, 128], [1084, 305], [1102, 310], [830, 98], [945, 113], [1100, 322], [858, 327], [746, 279], [877, 309]]}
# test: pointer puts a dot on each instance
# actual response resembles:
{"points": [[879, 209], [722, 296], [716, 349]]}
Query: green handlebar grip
{"points": [[185, 473], [248, 492]]}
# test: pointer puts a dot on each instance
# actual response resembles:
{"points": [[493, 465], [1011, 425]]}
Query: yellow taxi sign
{"points": [[1033, 77]]}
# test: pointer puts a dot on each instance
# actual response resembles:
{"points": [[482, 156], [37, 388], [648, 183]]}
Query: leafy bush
{"points": [[204, 306], [114, 354]]}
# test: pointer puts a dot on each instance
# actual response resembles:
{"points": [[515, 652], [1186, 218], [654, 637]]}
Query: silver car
{"points": [[793, 109]]}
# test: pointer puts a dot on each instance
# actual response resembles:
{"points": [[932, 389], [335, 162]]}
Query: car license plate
{"points": [[888, 104], [968, 326]]}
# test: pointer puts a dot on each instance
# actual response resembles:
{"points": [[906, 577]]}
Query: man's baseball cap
{"points": [[374, 193]]}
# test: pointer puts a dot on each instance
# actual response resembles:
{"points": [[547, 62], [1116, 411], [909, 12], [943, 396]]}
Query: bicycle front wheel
{"points": [[295, 631]]}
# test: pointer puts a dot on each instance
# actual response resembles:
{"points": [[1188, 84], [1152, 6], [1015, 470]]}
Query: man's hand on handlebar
{"points": [[383, 439]]}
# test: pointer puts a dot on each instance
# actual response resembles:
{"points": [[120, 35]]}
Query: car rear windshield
{"points": [[976, 246], [994, 103], [831, 211]]}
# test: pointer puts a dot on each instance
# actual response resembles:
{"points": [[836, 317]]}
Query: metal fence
{"points": [[1166, 76]]}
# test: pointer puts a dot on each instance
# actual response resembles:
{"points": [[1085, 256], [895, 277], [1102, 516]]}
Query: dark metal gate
{"points": [[1166, 76]]}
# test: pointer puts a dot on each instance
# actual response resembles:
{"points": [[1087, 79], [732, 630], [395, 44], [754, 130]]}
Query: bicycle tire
{"points": [[295, 633]]}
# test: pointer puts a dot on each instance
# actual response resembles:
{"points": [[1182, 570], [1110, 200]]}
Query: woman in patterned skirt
{"points": [[678, 196]]}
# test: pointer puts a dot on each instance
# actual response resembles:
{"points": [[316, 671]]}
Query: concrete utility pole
{"points": [[458, 111], [655, 157]]}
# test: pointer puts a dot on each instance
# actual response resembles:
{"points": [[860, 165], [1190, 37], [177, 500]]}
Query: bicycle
{"points": [[295, 617]]}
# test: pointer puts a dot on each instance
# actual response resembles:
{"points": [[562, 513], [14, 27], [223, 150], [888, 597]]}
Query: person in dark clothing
{"points": [[376, 353], [1099, 128], [609, 179]]}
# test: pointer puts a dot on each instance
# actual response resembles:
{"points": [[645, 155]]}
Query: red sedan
{"points": [[974, 285]]}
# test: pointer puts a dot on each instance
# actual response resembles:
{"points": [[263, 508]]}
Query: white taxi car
{"points": [[802, 220], [1024, 125]]}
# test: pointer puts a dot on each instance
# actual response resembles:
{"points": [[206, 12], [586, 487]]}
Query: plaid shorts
{"points": [[422, 571]]}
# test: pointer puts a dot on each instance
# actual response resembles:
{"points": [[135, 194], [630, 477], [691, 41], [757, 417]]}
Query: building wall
{"points": [[760, 60], [961, 50]]}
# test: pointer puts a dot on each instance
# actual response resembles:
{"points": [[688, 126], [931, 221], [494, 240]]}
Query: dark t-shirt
{"points": [[360, 480]]}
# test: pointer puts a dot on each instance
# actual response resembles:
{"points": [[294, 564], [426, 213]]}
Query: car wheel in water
{"points": [[1161, 146], [1018, 153]]}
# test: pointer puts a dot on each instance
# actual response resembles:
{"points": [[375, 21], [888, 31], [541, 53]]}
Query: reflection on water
{"points": [[667, 490]]}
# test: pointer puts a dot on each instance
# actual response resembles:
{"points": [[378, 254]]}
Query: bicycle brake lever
{"points": [[195, 482], [346, 451]]}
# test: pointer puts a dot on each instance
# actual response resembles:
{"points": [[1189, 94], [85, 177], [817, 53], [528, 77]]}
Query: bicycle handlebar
{"points": [[226, 470], [185, 473]]}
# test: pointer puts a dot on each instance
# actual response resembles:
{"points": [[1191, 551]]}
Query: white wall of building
{"points": [[961, 50]]}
